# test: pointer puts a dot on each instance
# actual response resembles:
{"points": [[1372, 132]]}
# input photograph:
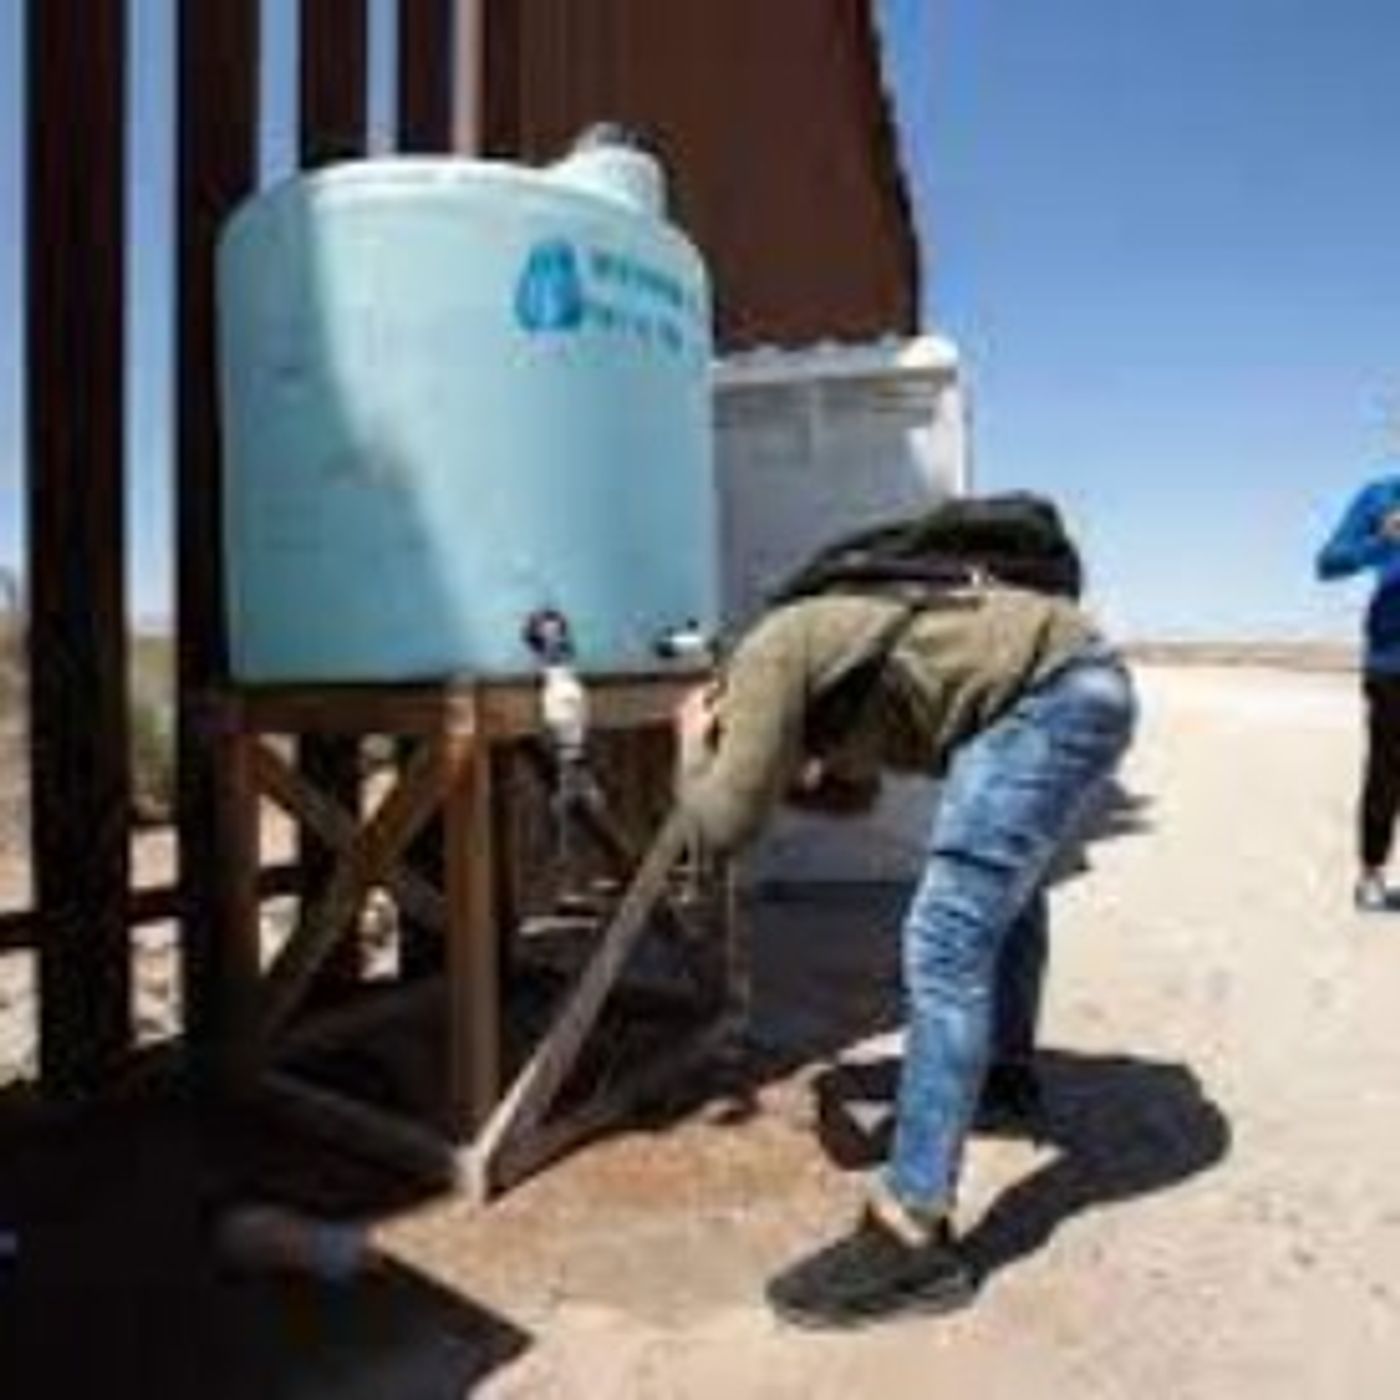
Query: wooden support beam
{"points": [[373, 1007], [74, 321], [336, 827], [509, 706], [217, 46], [331, 766], [473, 969], [364, 863], [520, 1156], [422, 947], [345, 709], [536, 1087]]}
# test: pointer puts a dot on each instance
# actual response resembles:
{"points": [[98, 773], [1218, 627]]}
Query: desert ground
{"points": [[1221, 1214], [1217, 1213]]}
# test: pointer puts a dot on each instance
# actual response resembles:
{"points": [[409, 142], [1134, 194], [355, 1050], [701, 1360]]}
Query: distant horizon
{"points": [[158, 622], [162, 627]]}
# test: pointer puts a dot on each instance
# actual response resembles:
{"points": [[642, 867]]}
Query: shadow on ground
{"points": [[826, 979], [1116, 813], [826, 973], [1119, 1126], [113, 1286]]}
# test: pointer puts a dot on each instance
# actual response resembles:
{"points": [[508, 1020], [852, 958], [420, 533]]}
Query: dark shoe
{"points": [[870, 1275], [1012, 1104], [1370, 895]]}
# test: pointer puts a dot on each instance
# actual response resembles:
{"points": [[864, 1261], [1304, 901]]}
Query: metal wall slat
{"points": [[77, 636], [334, 126], [217, 113]]}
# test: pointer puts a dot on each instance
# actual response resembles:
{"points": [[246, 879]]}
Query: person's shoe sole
{"points": [[948, 1296]]}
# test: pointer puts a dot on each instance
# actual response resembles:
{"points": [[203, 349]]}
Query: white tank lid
{"points": [[620, 174], [623, 175], [892, 357]]}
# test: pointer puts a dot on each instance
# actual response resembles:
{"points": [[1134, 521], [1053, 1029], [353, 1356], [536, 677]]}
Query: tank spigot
{"points": [[547, 633], [564, 712], [688, 642], [563, 701], [564, 715], [612, 162]]}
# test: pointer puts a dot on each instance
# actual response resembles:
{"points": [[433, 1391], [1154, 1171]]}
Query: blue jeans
{"points": [[1020, 978], [974, 935]]}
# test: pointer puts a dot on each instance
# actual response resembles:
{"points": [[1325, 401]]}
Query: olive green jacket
{"points": [[957, 666]]}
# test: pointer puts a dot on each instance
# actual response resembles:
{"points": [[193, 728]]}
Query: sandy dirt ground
{"points": [[1216, 1216], [1219, 1215]]}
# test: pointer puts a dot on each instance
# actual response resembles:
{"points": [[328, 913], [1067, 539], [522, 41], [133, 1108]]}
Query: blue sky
{"points": [[1165, 236], [1167, 240]]}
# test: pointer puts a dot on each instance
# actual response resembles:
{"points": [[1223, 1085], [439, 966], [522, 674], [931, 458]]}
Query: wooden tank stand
{"points": [[496, 1121]]}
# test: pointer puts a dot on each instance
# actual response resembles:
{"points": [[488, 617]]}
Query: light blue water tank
{"points": [[456, 392]]}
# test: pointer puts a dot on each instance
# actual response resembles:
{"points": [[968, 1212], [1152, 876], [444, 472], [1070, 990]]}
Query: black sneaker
{"points": [[870, 1275], [1370, 895], [1012, 1104]]}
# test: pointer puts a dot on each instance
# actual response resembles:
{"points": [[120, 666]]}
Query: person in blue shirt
{"points": [[1368, 537]]}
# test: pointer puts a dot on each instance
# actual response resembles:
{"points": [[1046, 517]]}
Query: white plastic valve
{"points": [[564, 708]]}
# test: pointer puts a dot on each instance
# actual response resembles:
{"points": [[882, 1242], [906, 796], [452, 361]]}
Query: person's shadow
{"points": [[1120, 1126]]}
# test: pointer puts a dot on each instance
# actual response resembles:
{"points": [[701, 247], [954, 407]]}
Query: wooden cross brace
{"points": [[367, 857], [449, 772]]}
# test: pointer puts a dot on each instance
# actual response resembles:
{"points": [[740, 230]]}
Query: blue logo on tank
{"points": [[549, 295]]}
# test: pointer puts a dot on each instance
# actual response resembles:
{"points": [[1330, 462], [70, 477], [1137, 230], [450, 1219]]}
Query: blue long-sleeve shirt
{"points": [[1356, 544]]}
